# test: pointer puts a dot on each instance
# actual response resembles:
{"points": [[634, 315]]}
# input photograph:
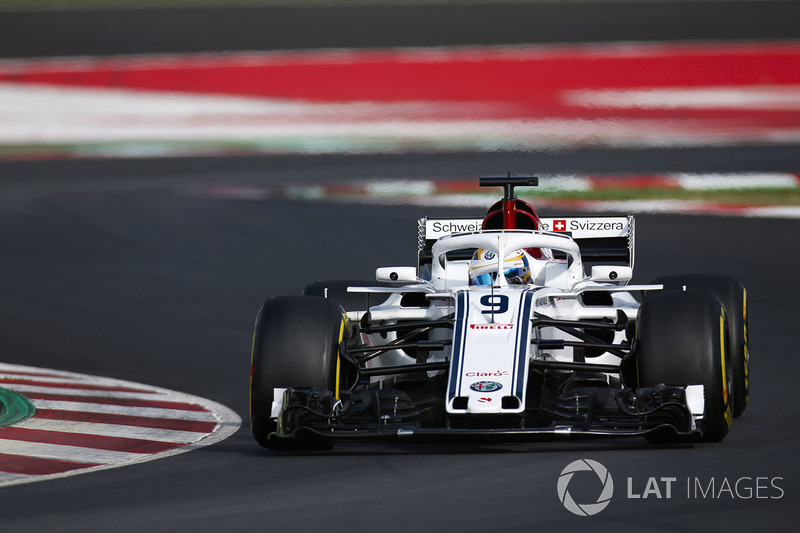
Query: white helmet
{"points": [[516, 268]]}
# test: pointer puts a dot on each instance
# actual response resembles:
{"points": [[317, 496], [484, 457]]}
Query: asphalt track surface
{"points": [[141, 31], [121, 271], [115, 268]]}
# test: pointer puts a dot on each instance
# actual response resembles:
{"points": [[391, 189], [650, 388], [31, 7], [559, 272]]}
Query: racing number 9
{"points": [[497, 304]]}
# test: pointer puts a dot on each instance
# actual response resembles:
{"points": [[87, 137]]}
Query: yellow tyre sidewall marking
{"points": [[339, 354], [746, 349], [726, 399]]}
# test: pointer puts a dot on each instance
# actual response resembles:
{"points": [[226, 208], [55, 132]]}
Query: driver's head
{"points": [[483, 268]]}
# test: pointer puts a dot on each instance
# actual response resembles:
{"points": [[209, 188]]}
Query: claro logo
{"points": [[604, 477], [491, 326]]}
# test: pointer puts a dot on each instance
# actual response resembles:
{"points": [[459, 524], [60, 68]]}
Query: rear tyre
{"points": [[295, 344], [734, 297], [681, 340]]}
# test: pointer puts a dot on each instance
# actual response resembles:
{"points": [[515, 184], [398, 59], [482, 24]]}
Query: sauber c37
{"points": [[509, 326]]}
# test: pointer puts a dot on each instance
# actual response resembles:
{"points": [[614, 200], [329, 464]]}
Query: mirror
{"points": [[397, 274], [612, 273]]}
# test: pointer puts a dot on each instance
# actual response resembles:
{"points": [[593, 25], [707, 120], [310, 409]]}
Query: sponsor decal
{"points": [[496, 373], [488, 255], [547, 300], [491, 326], [583, 226], [589, 225], [484, 400], [596, 225], [486, 386], [438, 228]]}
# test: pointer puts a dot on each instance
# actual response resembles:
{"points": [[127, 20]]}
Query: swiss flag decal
{"points": [[559, 225]]}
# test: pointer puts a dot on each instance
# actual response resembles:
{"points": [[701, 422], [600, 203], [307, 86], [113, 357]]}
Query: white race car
{"points": [[509, 326]]}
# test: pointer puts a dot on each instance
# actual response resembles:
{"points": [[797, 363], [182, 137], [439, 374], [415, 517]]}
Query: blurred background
{"points": [[167, 166], [92, 78]]}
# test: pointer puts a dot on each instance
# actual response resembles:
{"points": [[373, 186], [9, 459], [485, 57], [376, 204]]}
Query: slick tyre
{"points": [[681, 340], [295, 344], [734, 297]]}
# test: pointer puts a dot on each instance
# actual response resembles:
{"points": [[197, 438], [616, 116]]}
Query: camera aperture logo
{"points": [[604, 479]]}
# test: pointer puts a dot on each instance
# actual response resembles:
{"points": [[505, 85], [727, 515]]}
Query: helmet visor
{"points": [[514, 276], [484, 279]]}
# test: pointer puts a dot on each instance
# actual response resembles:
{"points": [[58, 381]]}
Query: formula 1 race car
{"points": [[499, 331]]}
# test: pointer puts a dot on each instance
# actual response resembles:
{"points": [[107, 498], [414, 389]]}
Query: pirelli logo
{"points": [[491, 326]]}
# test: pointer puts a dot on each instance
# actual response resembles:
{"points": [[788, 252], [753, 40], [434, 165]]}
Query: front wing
{"points": [[394, 413]]}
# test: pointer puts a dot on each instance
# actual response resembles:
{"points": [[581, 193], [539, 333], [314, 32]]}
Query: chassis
{"points": [[421, 352]]}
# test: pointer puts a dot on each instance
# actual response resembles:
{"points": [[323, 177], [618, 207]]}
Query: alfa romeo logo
{"points": [[486, 386], [585, 509]]}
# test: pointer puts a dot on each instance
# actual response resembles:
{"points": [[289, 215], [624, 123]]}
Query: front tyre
{"points": [[681, 340], [295, 344], [733, 295]]}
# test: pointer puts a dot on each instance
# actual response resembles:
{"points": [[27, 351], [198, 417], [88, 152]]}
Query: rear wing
{"points": [[602, 239]]}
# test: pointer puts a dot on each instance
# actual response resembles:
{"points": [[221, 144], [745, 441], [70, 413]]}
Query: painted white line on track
{"points": [[566, 95], [63, 452], [18, 479], [436, 193], [777, 211], [112, 430], [677, 207], [398, 136], [782, 98], [650, 206], [41, 378], [708, 182], [31, 389], [125, 410], [44, 115]]}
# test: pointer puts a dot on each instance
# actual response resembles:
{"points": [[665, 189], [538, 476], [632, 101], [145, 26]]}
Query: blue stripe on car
{"points": [[458, 338], [520, 352]]}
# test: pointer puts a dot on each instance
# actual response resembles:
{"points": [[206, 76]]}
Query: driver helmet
{"points": [[516, 267], [524, 218]]}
